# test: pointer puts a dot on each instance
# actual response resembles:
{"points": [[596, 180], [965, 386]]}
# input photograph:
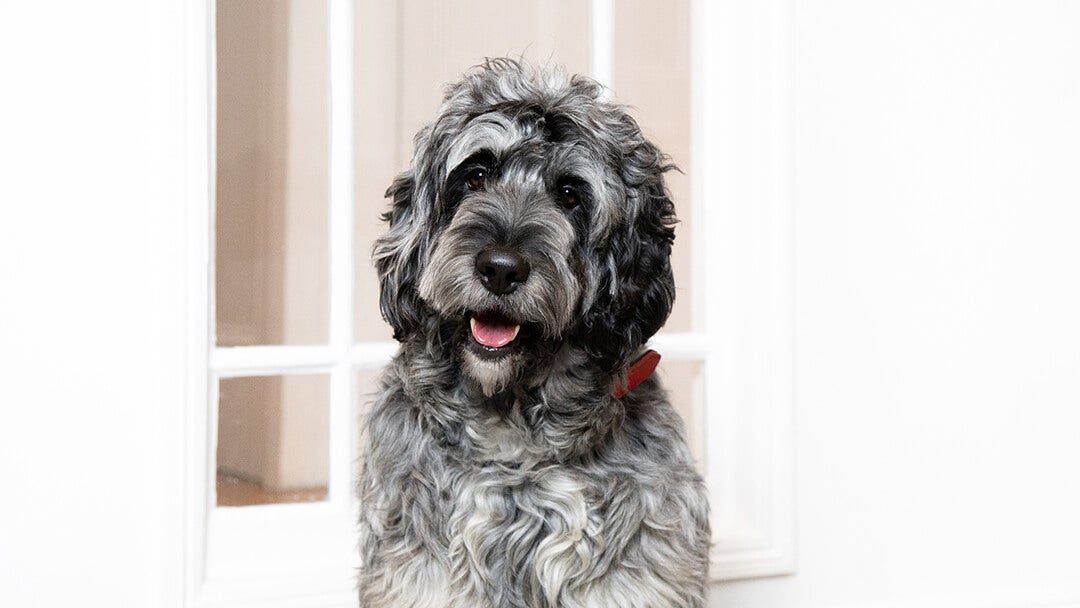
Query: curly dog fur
{"points": [[500, 470]]}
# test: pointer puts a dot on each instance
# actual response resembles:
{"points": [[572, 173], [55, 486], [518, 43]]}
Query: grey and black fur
{"points": [[512, 477]]}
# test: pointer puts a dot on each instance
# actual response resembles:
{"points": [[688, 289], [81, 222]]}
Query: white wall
{"points": [[90, 303], [938, 332]]}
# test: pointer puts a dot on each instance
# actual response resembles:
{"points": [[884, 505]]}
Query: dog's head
{"points": [[534, 217]]}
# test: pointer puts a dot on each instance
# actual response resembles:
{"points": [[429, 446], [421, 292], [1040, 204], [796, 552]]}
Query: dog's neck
{"points": [[562, 408]]}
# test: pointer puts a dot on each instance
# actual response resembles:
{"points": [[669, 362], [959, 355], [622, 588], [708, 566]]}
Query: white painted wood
{"points": [[272, 360], [99, 249], [342, 246], [231, 362], [1009, 598], [280, 548], [342, 252], [198, 35], [602, 41], [936, 327], [742, 191], [372, 355], [687, 346]]}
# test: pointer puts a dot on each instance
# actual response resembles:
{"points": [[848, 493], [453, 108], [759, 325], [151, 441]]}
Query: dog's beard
{"points": [[493, 375], [498, 351], [491, 350]]}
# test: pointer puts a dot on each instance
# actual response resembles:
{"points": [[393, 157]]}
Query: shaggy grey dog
{"points": [[525, 265]]}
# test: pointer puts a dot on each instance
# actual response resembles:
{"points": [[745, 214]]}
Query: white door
{"points": [[316, 105]]}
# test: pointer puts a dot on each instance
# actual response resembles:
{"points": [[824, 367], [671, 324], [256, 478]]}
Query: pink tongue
{"points": [[492, 334]]}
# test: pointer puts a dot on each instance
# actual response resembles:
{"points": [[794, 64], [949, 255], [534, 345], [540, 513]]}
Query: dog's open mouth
{"points": [[493, 334]]}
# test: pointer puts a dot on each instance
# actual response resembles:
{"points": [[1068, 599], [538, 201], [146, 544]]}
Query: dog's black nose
{"points": [[501, 269]]}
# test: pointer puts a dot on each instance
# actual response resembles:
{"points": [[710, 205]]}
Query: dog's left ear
{"points": [[402, 251], [637, 289], [396, 256]]}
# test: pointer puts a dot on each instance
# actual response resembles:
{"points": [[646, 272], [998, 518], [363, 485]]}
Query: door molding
{"points": [[743, 79]]}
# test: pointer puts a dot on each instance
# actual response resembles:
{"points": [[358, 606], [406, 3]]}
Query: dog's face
{"points": [[534, 219]]}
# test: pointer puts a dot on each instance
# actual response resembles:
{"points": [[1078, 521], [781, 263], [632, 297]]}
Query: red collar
{"points": [[638, 372]]}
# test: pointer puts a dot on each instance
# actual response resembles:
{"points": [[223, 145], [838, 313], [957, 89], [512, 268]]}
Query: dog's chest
{"points": [[522, 535]]}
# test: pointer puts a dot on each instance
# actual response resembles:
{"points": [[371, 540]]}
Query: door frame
{"points": [[742, 66]]}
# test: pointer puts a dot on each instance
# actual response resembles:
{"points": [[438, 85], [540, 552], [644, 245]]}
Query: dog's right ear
{"points": [[398, 255]]}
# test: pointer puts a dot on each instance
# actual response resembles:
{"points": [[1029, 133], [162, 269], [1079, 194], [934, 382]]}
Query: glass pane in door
{"points": [[273, 439], [271, 245]]}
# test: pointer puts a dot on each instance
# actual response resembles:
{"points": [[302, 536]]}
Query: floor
{"points": [[236, 492]]}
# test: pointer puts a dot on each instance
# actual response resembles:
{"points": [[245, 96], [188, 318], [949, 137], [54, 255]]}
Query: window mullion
{"points": [[602, 41], [342, 246], [232, 362]]}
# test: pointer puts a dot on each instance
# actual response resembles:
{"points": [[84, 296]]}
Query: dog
{"points": [[511, 461]]}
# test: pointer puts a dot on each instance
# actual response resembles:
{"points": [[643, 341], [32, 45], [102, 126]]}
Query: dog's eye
{"points": [[476, 178], [568, 197]]}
